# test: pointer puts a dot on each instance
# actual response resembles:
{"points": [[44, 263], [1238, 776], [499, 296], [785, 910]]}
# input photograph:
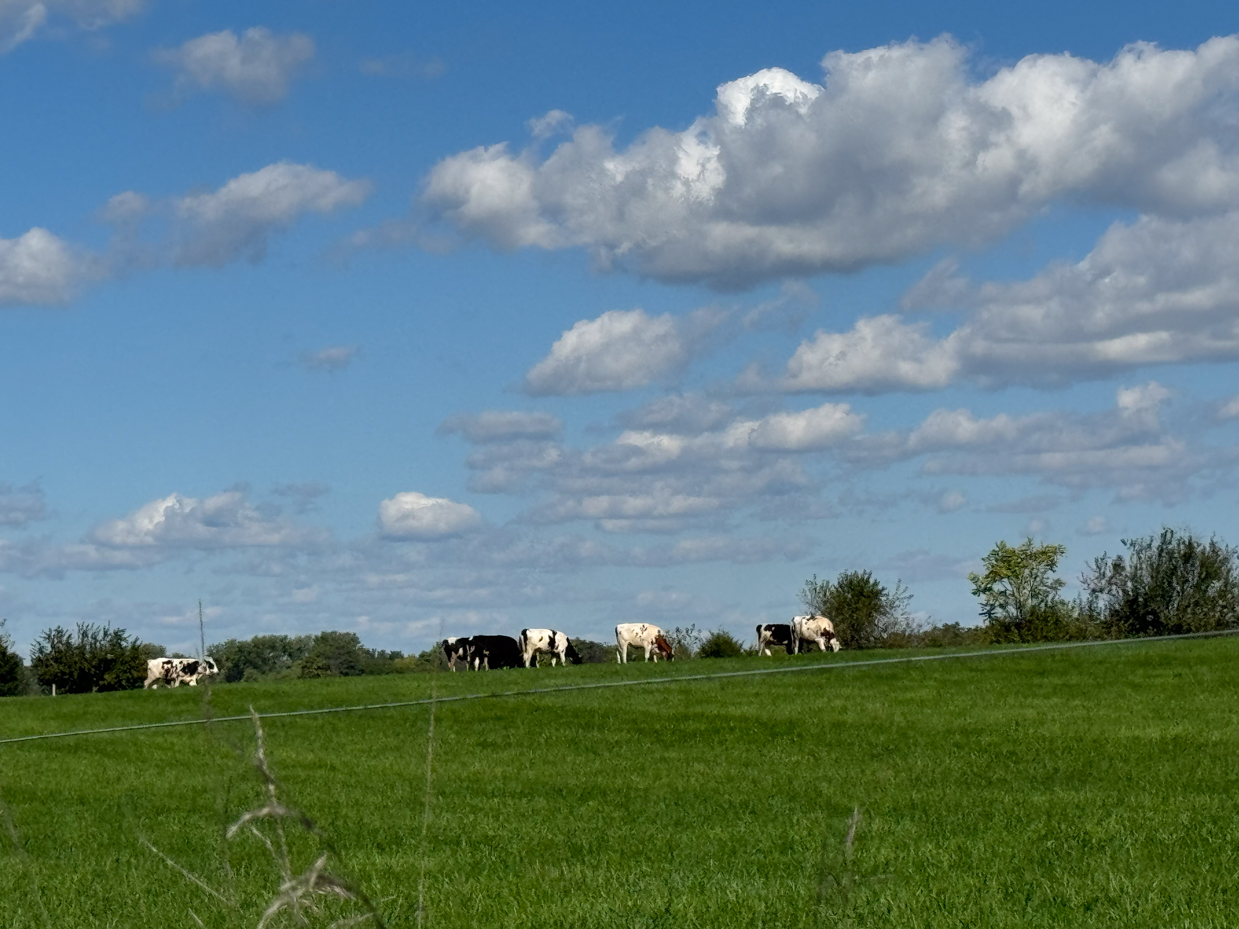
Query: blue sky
{"points": [[426, 321]]}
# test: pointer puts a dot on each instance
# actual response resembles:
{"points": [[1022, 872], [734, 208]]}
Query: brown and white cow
{"points": [[550, 641], [816, 629], [173, 672], [642, 635]]}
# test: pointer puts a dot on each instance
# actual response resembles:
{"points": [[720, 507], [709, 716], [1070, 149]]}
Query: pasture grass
{"points": [[1075, 788]]}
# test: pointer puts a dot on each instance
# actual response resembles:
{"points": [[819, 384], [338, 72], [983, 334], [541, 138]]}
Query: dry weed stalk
{"points": [[299, 893]]}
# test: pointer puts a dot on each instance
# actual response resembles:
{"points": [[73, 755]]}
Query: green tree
{"points": [[1169, 583], [864, 611], [91, 658], [261, 656], [12, 672], [1020, 594], [335, 654]]}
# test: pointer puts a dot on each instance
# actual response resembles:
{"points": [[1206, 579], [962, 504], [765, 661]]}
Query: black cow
{"points": [[493, 652], [774, 634]]}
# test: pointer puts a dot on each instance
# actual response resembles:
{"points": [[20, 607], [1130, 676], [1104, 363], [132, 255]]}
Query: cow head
{"points": [[661, 643], [572, 654], [209, 666]]}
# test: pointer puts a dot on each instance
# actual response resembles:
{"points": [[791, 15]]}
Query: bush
{"points": [[864, 612], [94, 658], [1169, 583], [593, 652], [952, 635], [1020, 595], [685, 641], [720, 644], [12, 671]]}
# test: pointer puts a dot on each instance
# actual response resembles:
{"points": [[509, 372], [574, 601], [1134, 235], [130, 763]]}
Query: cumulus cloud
{"points": [[21, 20], [331, 358], [899, 150], [880, 353], [952, 500], [501, 426], [38, 268], [415, 516], [225, 520], [236, 220], [819, 427], [1155, 291], [619, 350], [255, 69], [1126, 448]]}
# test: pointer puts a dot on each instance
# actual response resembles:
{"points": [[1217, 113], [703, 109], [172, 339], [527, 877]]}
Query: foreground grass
{"points": [[1088, 787]]}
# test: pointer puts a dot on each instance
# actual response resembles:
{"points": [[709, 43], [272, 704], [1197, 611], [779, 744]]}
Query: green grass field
{"points": [[1090, 787]]}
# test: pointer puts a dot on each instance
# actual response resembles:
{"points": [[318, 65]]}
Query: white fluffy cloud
{"points": [[1152, 292], [416, 516], [879, 353], [899, 150], [21, 20], [225, 520], [40, 268], [236, 220], [619, 350], [255, 69]]}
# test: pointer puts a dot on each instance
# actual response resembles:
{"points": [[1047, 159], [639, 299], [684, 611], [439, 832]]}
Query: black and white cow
{"points": [[172, 672], [816, 629], [493, 652], [774, 634], [456, 648], [550, 641]]}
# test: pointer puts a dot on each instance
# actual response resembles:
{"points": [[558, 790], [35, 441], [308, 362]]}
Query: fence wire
{"points": [[599, 685]]}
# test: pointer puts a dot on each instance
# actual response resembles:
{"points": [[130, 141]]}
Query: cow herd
{"points": [[490, 652]]}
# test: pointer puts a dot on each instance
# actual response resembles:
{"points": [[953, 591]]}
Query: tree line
{"points": [[1166, 583]]}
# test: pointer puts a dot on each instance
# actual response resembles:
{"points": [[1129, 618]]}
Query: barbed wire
{"points": [[599, 685]]}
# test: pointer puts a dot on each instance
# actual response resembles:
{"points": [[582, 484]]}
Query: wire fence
{"points": [[600, 685]]}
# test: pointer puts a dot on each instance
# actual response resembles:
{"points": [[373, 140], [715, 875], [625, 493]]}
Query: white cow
{"points": [[552, 641], [816, 629], [642, 635], [172, 672]]}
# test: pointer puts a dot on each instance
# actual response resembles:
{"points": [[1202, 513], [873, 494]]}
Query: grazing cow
{"points": [[172, 672], [493, 652], [553, 641], [456, 648], [816, 629], [774, 634], [642, 635]]}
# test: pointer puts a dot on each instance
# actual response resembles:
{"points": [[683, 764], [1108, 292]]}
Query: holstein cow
{"points": [[642, 635], [533, 641], [456, 648], [773, 634], [172, 672], [817, 629], [493, 652]]}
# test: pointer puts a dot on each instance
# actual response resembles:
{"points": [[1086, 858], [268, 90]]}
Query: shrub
{"points": [[593, 652], [12, 671], [92, 658], [685, 641], [1169, 583], [864, 612], [1020, 594], [720, 644]]}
